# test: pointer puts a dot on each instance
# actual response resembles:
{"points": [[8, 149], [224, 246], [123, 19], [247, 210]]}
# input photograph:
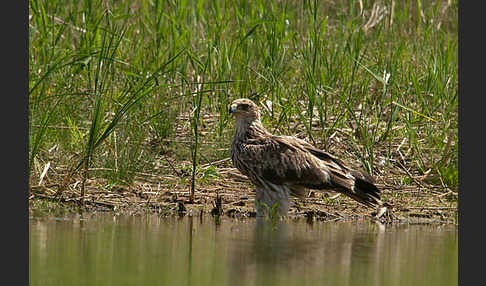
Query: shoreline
{"points": [[235, 196]]}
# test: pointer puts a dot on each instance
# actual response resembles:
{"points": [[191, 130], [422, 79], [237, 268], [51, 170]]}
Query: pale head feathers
{"points": [[245, 109]]}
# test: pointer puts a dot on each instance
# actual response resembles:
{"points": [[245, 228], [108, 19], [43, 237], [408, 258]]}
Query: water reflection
{"points": [[346, 254], [107, 250]]}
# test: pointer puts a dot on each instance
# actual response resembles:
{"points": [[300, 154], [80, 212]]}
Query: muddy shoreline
{"points": [[232, 195]]}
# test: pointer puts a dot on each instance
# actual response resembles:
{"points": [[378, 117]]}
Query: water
{"points": [[151, 250]]}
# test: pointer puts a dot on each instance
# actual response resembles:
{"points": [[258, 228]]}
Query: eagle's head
{"points": [[244, 108]]}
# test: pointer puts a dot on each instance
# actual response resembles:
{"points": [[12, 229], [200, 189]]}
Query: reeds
{"points": [[380, 79]]}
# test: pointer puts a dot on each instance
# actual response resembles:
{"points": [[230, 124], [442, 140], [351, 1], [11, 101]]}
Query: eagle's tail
{"points": [[360, 188], [365, 192]]}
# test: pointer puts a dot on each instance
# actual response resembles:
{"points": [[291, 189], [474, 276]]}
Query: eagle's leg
{"points": [[272, 200]]}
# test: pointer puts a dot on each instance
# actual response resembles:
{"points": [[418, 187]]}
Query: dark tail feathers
{"points": [[366, 192]]}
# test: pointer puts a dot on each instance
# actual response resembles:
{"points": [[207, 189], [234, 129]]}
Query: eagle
{"points": [[285, 166]]}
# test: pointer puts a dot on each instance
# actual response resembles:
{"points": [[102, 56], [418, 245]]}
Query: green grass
{"points": [[106, 78]]}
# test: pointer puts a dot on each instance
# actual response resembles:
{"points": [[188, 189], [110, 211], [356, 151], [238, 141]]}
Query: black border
{"points": [[15, 209], [471, 142]]}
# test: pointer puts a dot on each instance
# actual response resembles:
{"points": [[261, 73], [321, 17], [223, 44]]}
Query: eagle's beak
{"points": [[232, 108]]}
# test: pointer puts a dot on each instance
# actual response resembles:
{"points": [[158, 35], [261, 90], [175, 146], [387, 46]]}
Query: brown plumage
{"points": [[281, 166]]}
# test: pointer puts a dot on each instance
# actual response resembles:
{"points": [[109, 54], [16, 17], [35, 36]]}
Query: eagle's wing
{"points": [[285, 160], [335, 162]]}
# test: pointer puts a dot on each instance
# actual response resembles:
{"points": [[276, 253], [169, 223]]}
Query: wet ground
{"points": [[234, 197]]}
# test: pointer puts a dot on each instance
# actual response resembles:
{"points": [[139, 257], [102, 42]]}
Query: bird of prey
{"points": [[281, 166]]}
